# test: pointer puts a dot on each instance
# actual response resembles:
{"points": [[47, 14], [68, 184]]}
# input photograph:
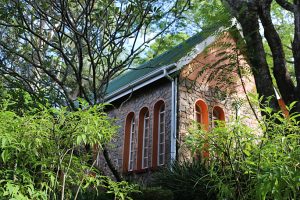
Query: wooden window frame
{"points": [[141, 138], [146, 144], [161, 152], [202, 114], [131, 146], [127, 141], [221, 114], [155, 134]]}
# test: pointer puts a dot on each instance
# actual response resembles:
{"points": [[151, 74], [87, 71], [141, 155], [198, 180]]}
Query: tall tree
{"points": [[68, 49], [72, 48], [249, 14], [201, 15]]}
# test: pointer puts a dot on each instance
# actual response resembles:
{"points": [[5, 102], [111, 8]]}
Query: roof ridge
{"points": [[207, 30], [172, 55]]}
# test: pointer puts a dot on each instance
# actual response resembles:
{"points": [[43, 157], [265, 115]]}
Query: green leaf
{"points": [[3, 143], [246, 152], [5, 155], [83, 136], [78, 140]]}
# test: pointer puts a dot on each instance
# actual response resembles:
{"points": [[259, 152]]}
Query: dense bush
{"points": [[153, 193], [187, 180], [43, 155], [95, 195], [149, 193], [248, 163]]}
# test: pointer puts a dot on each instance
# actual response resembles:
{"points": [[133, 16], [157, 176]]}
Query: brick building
{"points": [[156, 103]]}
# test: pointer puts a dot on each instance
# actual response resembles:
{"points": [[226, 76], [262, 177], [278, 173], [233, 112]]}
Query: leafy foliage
{"points": [[201, 15], [247, 163], [283, 22], [283, 43], [153, 193], [42, 154], [206, 14], [64, 50], [187, 180], [161, 45]]}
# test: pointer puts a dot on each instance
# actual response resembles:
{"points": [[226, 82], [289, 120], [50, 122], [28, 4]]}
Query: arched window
{"points": [[217, 115], [159, 129], [143, 139], [129, 144], [201, 113]]}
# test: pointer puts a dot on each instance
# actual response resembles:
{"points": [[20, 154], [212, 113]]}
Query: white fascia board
{"points": [[199, 48], [139, 83]]}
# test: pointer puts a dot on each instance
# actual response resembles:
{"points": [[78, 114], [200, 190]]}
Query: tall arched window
{"points": [[129, 144], [217, 115], [143, 139], [159, 131], [201, 113]]}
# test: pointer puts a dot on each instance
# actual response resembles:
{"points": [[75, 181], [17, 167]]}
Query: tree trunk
{"points": [[296, 50], [246, 14], [110, 165], [281, 74]]}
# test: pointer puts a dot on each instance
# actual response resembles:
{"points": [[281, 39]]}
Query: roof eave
{"points": [[160, 73], [141, 82]]}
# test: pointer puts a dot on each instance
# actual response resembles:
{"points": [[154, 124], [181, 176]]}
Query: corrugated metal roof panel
{"points": [[167, 58]]}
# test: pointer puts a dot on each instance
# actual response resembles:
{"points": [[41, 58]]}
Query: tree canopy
{"points": [[270, 32], [62, 50], [281, 39]]}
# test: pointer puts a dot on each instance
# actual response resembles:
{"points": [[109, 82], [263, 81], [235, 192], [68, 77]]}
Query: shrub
{"points": [[42, 154], [153, 193], [244, 163], [187, 180], [95, 195]]}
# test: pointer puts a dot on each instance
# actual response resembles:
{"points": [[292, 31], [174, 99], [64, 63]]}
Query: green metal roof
{"points": [[171, 56]]}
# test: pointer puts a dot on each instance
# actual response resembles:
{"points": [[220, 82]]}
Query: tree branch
{"points": [[286, 5], [281, 74]]}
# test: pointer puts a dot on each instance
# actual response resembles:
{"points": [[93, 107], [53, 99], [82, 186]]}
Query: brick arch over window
{"points": [[201, 113], [143, 139], [159, 126], [218, 114], [128, 151]]}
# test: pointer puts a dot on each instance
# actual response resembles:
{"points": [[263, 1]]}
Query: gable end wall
{"points": [[194, 86]]}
